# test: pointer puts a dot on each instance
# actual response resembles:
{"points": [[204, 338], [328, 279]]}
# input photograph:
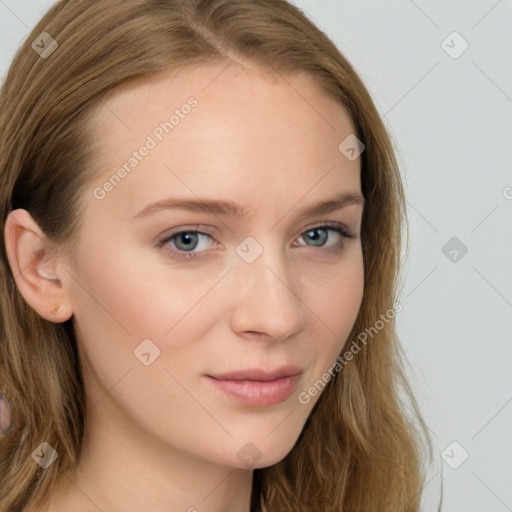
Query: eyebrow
{"points": [[222, 207]]}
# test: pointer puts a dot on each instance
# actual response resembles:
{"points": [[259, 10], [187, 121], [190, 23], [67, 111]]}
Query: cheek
{"points": [[338, 292], [127, 291], [121, 301], [121, 304], [336, 303]]}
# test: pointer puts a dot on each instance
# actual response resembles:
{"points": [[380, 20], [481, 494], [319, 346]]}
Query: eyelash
{"points": [[189, 256]]}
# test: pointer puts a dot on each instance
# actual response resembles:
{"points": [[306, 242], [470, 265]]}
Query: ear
{"points": [[33, 259]]}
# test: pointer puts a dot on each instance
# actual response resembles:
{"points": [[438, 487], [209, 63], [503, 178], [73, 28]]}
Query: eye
{"points": [[187, 240], [320, 235], [190, 244], [182, 244]]}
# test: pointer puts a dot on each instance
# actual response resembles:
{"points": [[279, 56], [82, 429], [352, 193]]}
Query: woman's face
{"points": [[248, 285]]}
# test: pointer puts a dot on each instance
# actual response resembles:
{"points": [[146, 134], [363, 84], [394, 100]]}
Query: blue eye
{"points": [[183, 244], [319, 236], [187, 240]]}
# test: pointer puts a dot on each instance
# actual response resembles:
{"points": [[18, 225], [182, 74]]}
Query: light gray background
{"points": [[451, 121]]}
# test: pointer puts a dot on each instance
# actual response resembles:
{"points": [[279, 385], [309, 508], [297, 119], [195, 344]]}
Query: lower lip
{"points": [[258, 393]]}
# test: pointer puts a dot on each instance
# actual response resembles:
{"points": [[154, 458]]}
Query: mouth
{"points": [[260, 375], [256, 387]]}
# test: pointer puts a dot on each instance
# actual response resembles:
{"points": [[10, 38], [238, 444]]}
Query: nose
{"points": [[267, 301]]}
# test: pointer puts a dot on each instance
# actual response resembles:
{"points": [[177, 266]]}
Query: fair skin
{"points": [[161, 437]]}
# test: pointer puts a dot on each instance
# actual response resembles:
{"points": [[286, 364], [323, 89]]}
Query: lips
{"points": [[259, 375], [256, 387]]}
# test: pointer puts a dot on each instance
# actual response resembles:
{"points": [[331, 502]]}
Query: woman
{"points": [[201, 217]]}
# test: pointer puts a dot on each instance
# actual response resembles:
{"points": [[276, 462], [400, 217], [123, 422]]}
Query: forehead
{"points": [[213, 80], [222, 90], [248, 129]]}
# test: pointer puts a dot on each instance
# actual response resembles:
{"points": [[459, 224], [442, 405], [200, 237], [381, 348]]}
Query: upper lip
{"points": [[260, 375]]}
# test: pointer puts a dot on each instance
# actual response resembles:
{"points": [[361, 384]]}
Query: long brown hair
{"points": [[362, 449]]}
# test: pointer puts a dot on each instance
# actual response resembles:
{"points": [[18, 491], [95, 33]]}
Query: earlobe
{"points": [[33, 261]]}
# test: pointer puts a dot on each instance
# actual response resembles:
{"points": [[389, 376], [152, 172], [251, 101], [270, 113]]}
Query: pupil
{"points": [[187, 240], [315, 235]]}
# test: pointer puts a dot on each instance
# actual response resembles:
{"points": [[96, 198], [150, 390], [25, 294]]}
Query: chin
{"points": [[262, 454]]}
